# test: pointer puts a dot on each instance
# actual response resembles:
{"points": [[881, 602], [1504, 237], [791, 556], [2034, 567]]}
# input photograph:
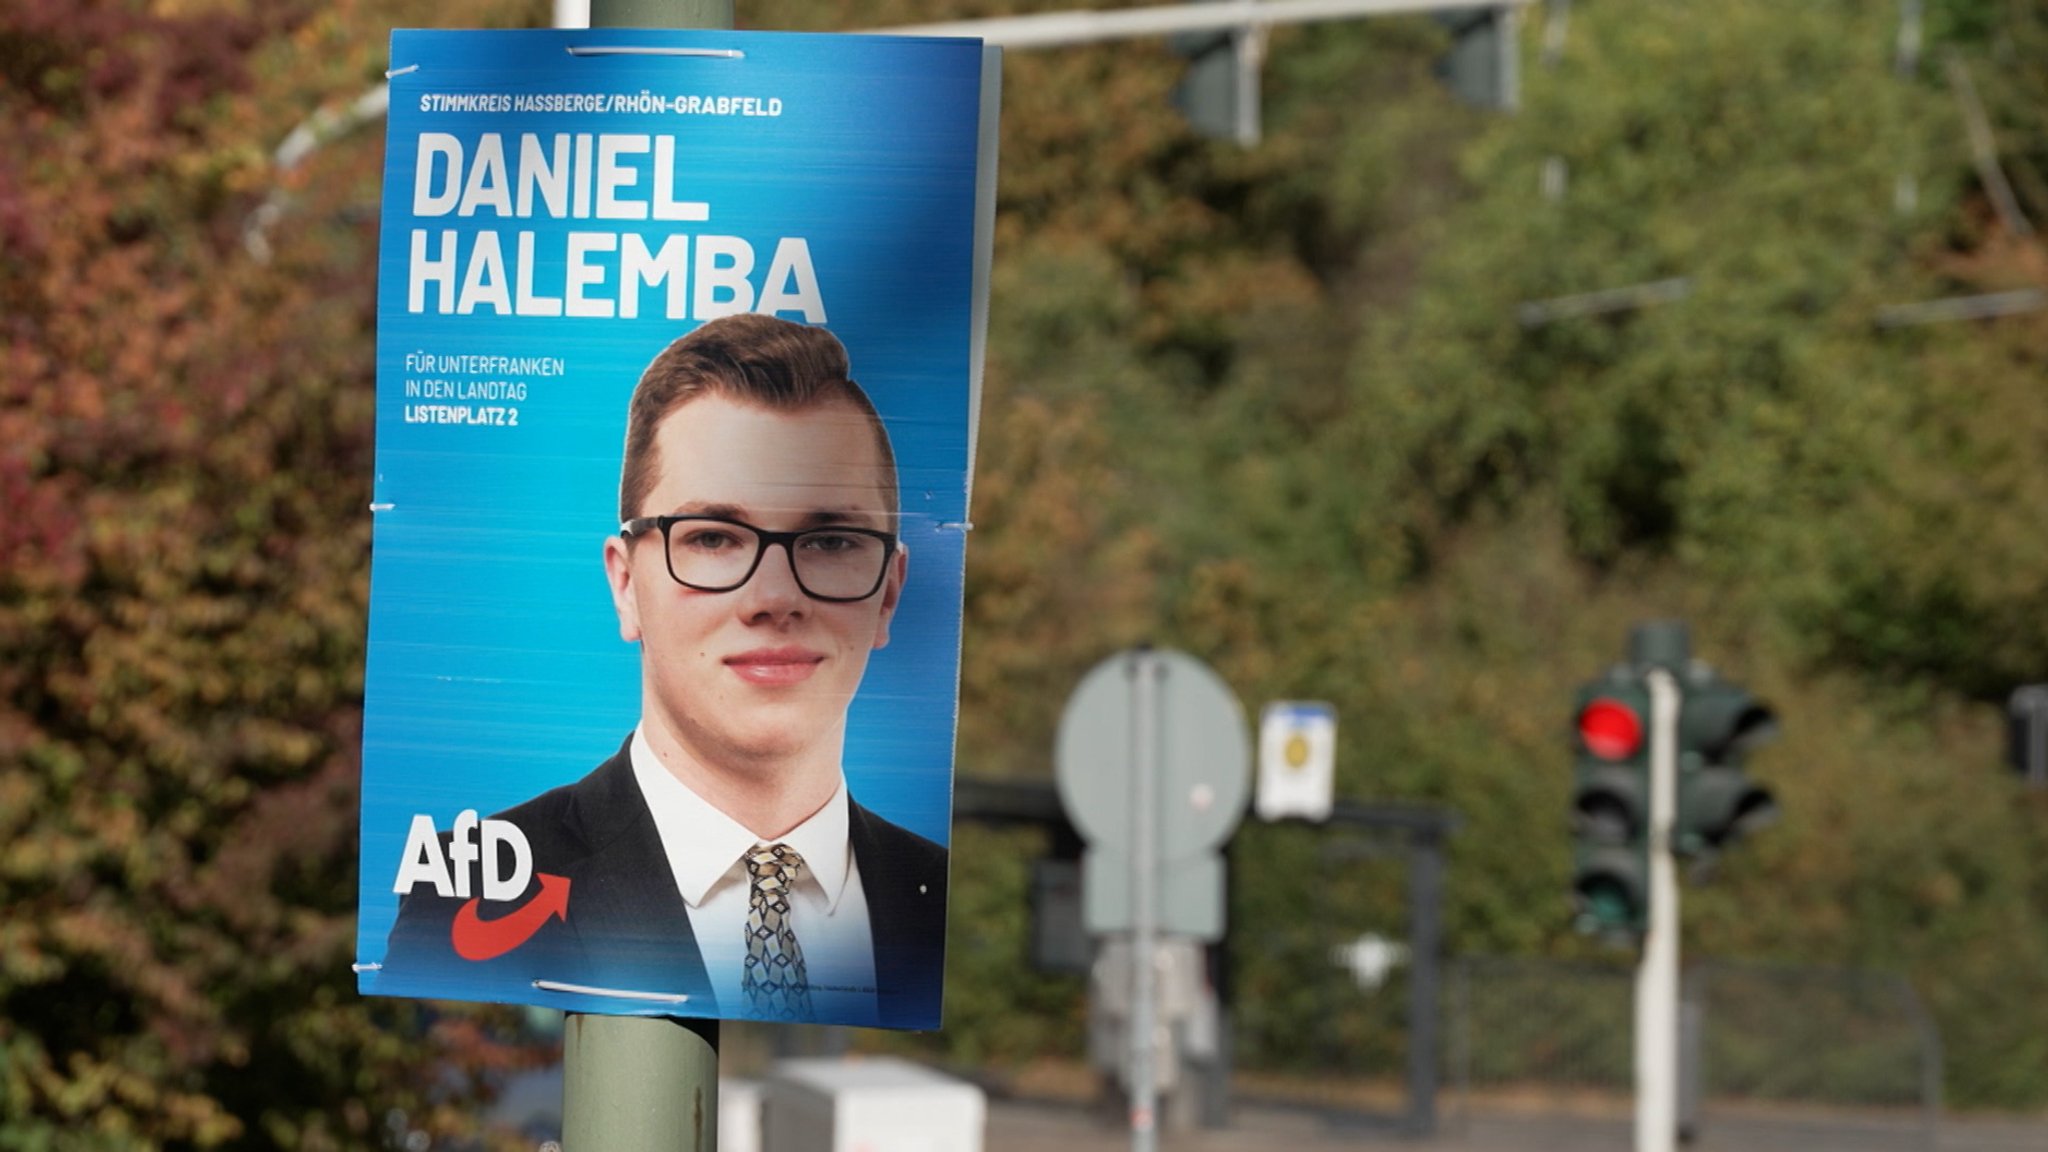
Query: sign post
{"points": [[1154, 767], [1144, 671]]}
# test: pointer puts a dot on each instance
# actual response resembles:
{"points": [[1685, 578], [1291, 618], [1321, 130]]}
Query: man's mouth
{"points": [[775, 667]]}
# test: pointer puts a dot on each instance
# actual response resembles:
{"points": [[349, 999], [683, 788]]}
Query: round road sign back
{"points": [[1203, 748]]}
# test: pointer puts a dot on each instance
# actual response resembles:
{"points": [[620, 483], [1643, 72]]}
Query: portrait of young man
{"points": [[717, 861]]}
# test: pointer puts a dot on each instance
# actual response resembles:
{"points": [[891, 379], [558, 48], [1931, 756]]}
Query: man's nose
{"points": [[773, 590]]}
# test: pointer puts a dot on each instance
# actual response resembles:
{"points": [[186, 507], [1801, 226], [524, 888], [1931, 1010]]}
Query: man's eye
{"points": [[707, 540], [834, 542]]}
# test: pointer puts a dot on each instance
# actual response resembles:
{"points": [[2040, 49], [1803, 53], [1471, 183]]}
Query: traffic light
{"points": [[1219, 94], [2027, 722], [1481, 66], [1611, 805], [1719, 724]]}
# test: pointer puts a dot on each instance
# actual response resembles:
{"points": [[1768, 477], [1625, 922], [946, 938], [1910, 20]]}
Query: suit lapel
{"points": [[630, 923]]}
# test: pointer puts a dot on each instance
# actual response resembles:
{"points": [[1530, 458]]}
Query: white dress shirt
{"points": [[829, 912]]}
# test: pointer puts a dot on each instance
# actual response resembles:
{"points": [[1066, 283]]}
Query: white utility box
{"points": [[739, 1115], [879, 1104]]}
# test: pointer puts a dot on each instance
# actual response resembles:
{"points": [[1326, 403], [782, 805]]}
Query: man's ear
{"points": [[618, 572], [892, 592]]}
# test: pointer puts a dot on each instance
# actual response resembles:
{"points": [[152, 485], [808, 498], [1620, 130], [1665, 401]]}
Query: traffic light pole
{"points": [[1657, 974]]}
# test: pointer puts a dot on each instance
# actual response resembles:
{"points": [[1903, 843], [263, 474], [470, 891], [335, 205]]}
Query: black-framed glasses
{"points": [[837, 564]]}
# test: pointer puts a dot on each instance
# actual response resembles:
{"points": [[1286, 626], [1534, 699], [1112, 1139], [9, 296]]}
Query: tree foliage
{"points": [[185, 464], [1386, 490]]}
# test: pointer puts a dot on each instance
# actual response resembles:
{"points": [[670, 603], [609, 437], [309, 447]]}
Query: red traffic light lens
{"points": [[1610, 729]]}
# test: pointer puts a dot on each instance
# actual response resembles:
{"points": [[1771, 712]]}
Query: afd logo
{"points": [[496, 853]]}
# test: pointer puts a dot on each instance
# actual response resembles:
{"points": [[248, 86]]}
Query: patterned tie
{"points": [[775, 985]]}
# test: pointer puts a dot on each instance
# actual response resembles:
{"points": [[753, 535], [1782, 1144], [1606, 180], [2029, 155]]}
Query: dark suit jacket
{"points": [[628, 928]]}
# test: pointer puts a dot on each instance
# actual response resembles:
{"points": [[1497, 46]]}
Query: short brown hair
{"points": [[750, 358]]}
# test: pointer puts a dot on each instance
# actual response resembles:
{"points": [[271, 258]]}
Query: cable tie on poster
{"points": [[956, 525], [613, 993], [360, 968], [401, 71], [382, 507], [645, 50]]}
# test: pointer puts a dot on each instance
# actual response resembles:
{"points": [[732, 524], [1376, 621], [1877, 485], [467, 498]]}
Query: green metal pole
{"points": [[639, 1084], [643, 1083]]}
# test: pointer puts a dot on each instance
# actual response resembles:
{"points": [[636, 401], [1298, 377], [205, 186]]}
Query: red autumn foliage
{"points": [[185, 463]]}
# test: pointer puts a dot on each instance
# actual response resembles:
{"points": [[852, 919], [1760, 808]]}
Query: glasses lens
{"points": [[837, 564], [711, 554]]}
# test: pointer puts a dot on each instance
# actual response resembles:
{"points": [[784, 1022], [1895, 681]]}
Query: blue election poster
{"points": [[677, 352]]}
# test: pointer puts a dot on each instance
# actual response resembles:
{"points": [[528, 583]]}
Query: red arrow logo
{"points": [[478, 939]]}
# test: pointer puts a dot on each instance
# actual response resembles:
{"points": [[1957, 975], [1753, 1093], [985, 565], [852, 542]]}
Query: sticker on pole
{"points": [[1297, 760], [678, 355]]}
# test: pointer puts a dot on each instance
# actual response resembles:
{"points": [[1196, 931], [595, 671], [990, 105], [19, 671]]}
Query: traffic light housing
{"points": [[1611, 805], [1219, 94], [1719, 724], [2027, 723], [1481, 66]]}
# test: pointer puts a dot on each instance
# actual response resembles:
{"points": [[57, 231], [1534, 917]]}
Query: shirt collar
{"points": [[704, 844]]}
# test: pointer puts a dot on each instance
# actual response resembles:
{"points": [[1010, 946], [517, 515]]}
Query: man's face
{"points": [[762, 673]]}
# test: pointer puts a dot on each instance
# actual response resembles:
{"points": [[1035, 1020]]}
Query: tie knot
{"points": [[773, 865]]}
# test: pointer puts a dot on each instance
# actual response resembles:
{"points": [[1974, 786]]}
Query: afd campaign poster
{"points": [[678, 353]]}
